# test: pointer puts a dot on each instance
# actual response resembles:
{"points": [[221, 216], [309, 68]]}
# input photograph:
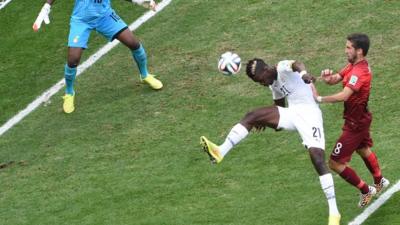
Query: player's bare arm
{"points": [[314, 90], [338, 97], [329, 77]]}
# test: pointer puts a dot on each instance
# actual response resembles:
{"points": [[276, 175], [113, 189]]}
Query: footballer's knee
{"points": [[129, 40], [249, 120], [331, 164], [318, 160], [250, 116], [336, 166], [135, 46], [73, 60], [364, 152], [132, 45], [74, 56]]}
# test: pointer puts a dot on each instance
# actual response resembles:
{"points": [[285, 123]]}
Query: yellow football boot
{"points": [[211, 149], [334, 219], [153, 82], [68, 105]]}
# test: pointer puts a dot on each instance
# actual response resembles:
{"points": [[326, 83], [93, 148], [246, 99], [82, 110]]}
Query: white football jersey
{"points": [[289, 84]]}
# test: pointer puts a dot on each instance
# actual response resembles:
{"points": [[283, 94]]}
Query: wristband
{"points": [[319, 99]]}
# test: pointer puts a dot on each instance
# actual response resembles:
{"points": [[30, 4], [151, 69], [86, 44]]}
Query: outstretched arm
{"points": [[338, 97], [314, 90]]}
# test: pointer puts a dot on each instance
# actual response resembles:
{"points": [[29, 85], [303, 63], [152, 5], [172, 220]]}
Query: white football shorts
{"points": [[307, 120]]}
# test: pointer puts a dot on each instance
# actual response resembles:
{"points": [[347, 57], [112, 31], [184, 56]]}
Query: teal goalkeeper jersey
{"points": [[89, 10]]}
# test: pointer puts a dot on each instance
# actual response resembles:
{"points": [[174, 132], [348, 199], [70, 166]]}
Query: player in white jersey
{"points": [[290, 80]]}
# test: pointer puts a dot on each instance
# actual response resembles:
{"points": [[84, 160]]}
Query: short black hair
{"points": [[359, 40], [255, 66]]}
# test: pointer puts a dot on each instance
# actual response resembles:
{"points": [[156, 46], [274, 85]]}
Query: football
{"points": [[229, 63]]}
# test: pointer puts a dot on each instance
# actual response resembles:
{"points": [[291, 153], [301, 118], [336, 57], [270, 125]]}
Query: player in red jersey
{"points": [[356, 79]]}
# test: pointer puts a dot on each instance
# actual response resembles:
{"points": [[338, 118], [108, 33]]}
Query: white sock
{"points": [[237, 133], [329, 190]]}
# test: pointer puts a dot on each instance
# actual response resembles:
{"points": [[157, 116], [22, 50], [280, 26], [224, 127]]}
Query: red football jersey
{"points": [[357, 77]]}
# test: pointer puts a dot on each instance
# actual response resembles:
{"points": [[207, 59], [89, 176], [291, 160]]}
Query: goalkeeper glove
{"points": [[43, 16], [150, 4]]}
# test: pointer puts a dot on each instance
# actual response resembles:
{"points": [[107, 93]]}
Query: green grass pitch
{"points": [[131, 155]]}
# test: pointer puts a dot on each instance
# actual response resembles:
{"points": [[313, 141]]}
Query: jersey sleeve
{"points": [[344, 70], [355, 81], [276, 94], [284, 69], [285, 66]]}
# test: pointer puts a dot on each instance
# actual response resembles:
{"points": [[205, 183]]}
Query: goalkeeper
{"points": [[97, 15]]}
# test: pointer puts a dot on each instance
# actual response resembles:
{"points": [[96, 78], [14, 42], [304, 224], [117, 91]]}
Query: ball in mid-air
{"points": [[229, 63]]}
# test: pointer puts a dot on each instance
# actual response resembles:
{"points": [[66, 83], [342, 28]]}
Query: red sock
{"points": [[350, 176], [373, 166]]}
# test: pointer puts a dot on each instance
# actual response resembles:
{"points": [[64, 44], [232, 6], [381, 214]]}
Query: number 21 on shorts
{"points": [[316, 132]]}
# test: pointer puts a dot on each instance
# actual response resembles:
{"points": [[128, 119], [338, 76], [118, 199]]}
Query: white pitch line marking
{"points": [[45, 96], [376, 204], [4, 3]]}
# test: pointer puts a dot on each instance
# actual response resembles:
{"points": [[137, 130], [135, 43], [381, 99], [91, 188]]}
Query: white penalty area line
{"points": [[4, 3], [376, 204], [45, 96]]}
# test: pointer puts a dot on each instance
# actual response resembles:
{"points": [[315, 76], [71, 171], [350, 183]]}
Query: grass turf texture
{"points": [[130, 155]]}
